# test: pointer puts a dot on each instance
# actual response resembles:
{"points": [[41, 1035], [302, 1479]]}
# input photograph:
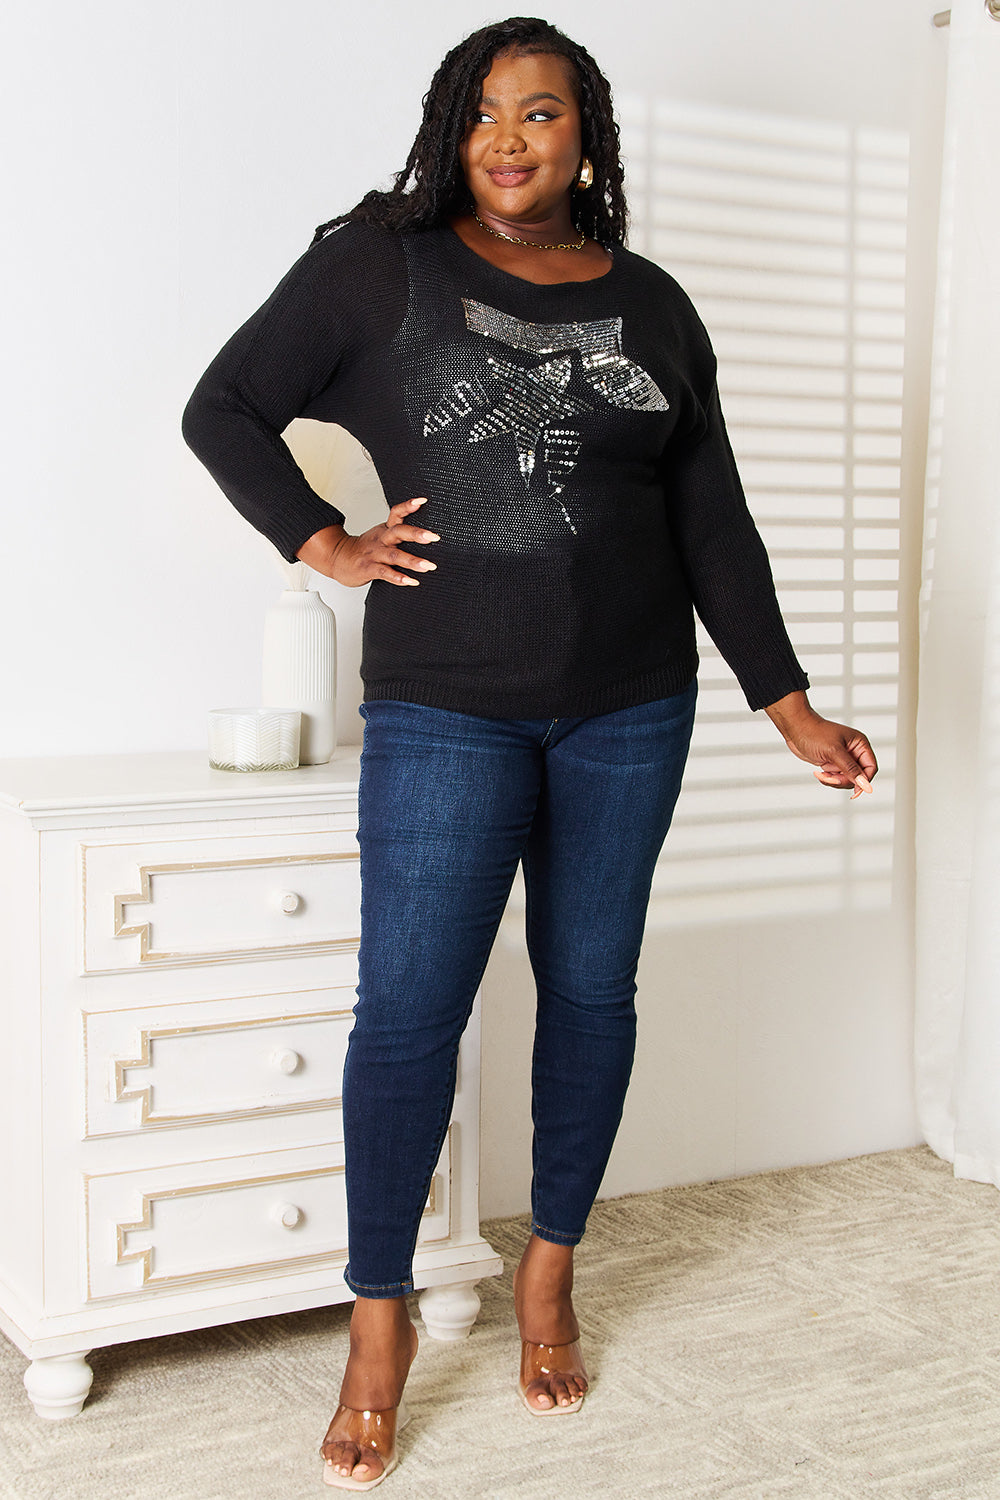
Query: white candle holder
{"points": [[254, 739]]}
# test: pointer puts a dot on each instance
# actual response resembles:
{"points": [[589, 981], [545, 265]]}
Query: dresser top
{"points": [[48, 786]]}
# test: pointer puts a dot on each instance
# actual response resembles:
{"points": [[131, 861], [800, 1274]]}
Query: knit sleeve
{"points": [[290, 351], [725, 562]]}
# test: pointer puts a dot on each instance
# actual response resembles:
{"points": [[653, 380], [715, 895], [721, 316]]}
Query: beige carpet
{"points": [[828, 1332]]}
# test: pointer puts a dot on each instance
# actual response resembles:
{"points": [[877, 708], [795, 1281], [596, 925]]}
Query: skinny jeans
{"points": [[449, 805]]}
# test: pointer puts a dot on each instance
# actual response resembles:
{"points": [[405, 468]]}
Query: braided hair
{"points": [[431, 188]]}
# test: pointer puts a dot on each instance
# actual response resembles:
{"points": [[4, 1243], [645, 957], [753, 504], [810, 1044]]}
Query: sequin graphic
{"points": [[531, 403]]}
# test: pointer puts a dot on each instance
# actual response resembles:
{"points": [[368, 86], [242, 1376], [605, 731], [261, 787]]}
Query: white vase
{"points": [[300, 668]]}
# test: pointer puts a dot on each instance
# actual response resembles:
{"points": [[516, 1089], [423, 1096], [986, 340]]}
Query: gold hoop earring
{"points": [[586, 176]]}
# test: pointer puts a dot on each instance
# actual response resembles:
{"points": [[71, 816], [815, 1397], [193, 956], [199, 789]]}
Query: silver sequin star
{"points": [[531, 402]]}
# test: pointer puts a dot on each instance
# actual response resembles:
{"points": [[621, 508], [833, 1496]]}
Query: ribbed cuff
{"points": [[765, 691], [291, 531]]}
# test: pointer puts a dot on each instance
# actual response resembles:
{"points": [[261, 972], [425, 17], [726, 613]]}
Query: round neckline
{"points": [[542, 286]]}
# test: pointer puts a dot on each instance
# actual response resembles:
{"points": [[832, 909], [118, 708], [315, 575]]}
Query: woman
{"points": [[542, 410]]}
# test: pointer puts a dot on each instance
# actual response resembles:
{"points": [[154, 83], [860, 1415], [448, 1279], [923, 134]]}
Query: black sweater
{"points": [[571, 446]]}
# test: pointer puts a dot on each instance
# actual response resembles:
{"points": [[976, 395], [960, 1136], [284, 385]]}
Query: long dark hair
{"points": [[431, 187]]}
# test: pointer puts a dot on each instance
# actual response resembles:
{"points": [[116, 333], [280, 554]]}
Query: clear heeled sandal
{"points": [[541, 1360], [372, 1431]]}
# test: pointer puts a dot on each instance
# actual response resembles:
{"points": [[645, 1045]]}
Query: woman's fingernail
{"points": [[430, 536], [428, 567]]}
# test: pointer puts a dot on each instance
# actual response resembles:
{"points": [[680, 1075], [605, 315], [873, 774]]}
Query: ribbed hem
{"points": [[483, 701]]}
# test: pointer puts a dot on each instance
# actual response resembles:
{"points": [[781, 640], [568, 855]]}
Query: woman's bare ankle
{"points": [[543, 1286], [383, 1346]]}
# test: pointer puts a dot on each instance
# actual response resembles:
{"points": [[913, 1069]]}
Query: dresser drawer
{"points": [[196, 1063], [196, 901], [238, 1218]]}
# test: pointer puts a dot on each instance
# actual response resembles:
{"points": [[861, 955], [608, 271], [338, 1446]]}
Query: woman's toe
{"points": [[348, 1460], [368, 1466]]}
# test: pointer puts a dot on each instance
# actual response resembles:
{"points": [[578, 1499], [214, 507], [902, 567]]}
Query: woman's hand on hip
{"points": [[842, 756], [354, 560]]}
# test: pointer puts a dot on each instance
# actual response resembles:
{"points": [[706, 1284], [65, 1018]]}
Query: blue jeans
{"points": [[449, 804]]}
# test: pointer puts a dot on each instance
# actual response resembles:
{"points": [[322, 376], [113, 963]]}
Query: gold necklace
{"points": [[513, 239]]}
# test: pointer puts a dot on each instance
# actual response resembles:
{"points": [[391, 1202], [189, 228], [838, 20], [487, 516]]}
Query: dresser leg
{"points": [[58, 1385], [449, 1311]]}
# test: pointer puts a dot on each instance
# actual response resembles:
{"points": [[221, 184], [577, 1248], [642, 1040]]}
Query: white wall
{"points": [[172, 161]]}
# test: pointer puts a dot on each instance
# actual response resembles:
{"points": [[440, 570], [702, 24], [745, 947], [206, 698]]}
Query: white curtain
{"points": [[958, 724]]}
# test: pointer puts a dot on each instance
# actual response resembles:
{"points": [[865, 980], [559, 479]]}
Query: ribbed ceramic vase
{"points": [[300, 669]]}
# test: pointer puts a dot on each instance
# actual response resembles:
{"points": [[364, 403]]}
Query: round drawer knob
{"points": [[286, 1061], [288, 901], [288, 1215]]}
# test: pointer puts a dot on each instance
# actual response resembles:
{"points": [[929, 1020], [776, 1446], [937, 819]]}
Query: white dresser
{"points": [[179, 956]]}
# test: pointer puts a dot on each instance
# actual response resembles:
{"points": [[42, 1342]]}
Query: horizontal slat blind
{"points": [[790, 237]]}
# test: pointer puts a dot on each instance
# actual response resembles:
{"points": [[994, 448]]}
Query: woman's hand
{"points": [[354, 560], [843, 757]]}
